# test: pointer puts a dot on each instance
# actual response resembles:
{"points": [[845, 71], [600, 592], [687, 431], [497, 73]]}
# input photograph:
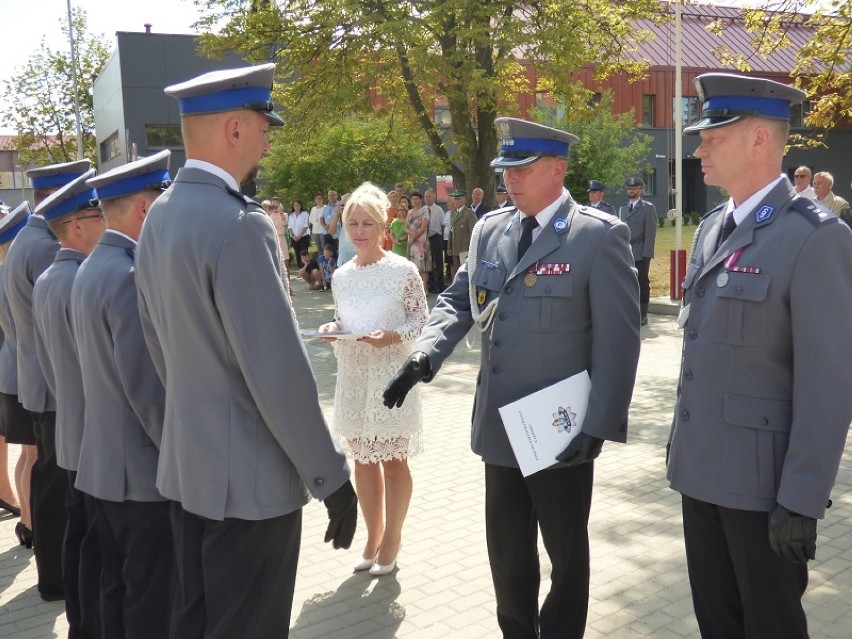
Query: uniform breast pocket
{"points": [[490, 279], [742, 317], [547, 304]]}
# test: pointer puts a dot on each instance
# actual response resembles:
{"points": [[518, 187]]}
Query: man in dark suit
{"points": [[641, 216], [552, 285], [73, 217], [124, 412], [763, 406], [244, 438], [30, 255], [477, 205], [596, 194]]}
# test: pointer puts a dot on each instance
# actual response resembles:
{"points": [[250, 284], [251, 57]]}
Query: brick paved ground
{"points": [[443, 587]]}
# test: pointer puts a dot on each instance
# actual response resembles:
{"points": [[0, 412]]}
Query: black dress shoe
{"points": [[5, 505], [24, 535]]}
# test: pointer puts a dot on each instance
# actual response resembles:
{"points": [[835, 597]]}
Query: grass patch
{"points": [[659, 272]]}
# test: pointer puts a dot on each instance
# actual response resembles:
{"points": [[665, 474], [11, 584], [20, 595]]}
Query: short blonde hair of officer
{"points": [[370, 199]]}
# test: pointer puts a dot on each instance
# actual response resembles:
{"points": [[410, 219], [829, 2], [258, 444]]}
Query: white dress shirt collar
{"points": [[219, 172]]}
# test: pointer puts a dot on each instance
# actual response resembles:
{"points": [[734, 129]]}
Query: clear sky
{"points": [[25, 22]]}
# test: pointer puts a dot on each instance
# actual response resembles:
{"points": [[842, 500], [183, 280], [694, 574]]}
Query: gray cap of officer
{"points": [[728, 98], [72, 197], [145, 174], [523, 142], [14, 222], [45, 177], [634, 182], [228, 90]]}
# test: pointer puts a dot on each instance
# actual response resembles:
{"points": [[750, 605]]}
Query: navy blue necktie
{"points": [[727, 228], [528, 224]]}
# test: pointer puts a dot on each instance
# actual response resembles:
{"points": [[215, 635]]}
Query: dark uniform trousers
{"points": [[235, 577], [558, 502], [643, 268], [436, 275], [49, 489], [138, 579], [81, 565], [740, 587]]}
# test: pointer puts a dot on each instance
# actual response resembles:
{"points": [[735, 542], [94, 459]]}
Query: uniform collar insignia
{"points": [[763, 214], [560, 225]]}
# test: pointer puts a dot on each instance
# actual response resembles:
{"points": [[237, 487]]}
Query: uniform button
{"points": [[684, 415], [502, 317], [509, 290], [693, 334], [700, 291], [622, 428], [687, 374], [319, 481], [495, 370], [738, 289], [764, 421], [547, 290], [497, 343]]}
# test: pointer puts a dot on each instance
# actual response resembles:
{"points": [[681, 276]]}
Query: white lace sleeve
{"points": [[416, 307]]}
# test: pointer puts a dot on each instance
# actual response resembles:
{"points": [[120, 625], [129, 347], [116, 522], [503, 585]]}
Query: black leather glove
{"points": [[342, 506], [791, 535], [583, 448], [416, 367]]}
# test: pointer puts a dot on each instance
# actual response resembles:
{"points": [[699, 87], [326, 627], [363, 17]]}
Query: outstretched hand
{"points": [[583, 448], [416, 367]]}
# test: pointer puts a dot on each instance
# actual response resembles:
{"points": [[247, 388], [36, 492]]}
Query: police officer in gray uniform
{"points": [[29, 256], [125, 402], [641, 216], [596, 194], [244, 438], [551, 285], [763, 405], [73, 217]]}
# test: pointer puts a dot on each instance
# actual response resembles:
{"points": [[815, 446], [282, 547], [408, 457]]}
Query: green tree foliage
{"points": [[41, 98], [337, 57], [610, 146], [341, 156], [823, 66]]}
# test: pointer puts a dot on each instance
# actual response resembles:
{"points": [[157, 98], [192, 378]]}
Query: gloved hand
{"points": [[416, 367], [791, 535], [342, 506], [583, 448]]}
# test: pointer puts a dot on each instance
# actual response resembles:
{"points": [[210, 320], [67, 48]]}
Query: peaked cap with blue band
{"points": [[247, 88], [46, 177], [594, 185], [145, 174], [14, 222], [72, 197], [729, 98], [523, 142]]}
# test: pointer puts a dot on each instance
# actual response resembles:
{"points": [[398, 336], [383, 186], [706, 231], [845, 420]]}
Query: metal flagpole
{"points": [[76, 87]]}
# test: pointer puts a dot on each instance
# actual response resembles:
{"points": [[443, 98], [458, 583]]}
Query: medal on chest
{"points": [[530, 278]]}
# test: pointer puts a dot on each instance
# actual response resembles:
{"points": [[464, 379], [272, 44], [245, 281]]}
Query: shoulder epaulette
{"points": [[603, 216], [245, 199], [712, 211], [505, 209], [814, 214]]}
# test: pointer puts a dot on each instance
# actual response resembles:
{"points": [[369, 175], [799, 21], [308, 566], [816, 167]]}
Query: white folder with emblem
{"points": [[541, 425]]}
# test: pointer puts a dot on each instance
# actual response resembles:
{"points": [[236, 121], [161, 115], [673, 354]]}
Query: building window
{"points": [[546, 104], [648, 109], [650, 178], [163, 136], [442, 114], [690, 109], [798, 113], [110, 147]]}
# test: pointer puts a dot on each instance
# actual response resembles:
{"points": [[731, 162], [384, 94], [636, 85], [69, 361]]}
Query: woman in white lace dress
{"points": [[380, 296]]}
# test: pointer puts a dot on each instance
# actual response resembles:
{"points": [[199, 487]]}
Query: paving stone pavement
{"points": [[442, 588]]}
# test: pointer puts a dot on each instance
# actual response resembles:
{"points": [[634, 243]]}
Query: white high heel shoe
{"points": [[363, 563], [378, 569]]}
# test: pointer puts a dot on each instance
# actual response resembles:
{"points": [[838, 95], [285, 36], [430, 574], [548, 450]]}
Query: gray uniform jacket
{"points": [[604, 206], [31, 253], [764, 404], [462, 222], [8, 352], [584, 319], [243, 432], [643, 228], [57, 352], [124, 396]]}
